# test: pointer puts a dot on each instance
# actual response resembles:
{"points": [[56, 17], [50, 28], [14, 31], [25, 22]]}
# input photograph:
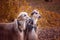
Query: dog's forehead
{"points": [[22, 13], [35, 11]]}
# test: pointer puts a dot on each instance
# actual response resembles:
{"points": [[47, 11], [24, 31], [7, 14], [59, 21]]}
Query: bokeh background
{"points": [[49, 10]]}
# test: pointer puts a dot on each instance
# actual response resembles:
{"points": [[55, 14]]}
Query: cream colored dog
{"points": [[34, 16], [22, 18]]}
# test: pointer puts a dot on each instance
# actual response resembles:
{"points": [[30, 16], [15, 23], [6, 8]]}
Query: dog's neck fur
{"points": [[22, 24], [34, 19]]}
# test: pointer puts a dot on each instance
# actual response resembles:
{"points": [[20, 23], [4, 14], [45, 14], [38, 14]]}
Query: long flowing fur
{"points": [[32, 35]]}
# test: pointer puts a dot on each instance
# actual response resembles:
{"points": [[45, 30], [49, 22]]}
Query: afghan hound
{"points": [[32, 26]]}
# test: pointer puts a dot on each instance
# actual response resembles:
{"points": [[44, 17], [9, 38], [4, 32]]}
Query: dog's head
{"points": [[23, 16], [36, 14]]}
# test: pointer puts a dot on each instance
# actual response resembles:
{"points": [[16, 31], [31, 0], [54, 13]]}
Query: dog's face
{"points": [[36, 14], [23, 16]]}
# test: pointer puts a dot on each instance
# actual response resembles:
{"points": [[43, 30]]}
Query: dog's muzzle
{"points": [[39, 17]]}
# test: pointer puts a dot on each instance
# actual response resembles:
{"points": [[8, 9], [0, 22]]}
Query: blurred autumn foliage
{"points": [[9, 9]]}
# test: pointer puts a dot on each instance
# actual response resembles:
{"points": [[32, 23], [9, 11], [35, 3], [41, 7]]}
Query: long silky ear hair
{"points": [[19, 18], [32, 13]]}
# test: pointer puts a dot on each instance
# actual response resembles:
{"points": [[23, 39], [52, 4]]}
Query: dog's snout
{"points": [[39, 16]]}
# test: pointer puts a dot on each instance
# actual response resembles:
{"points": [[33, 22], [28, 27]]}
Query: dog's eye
{"points": [[35, 13], [24, 15]]}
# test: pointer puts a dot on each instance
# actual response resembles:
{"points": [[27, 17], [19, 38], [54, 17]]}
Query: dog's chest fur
{"points": [[22, 25]]}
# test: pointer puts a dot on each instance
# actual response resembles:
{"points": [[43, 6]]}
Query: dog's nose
{"points": [[39, 16]]}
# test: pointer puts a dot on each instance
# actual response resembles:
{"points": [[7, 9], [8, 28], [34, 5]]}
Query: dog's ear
{"points": [[19, 18], [31, 21], [32, 14]]}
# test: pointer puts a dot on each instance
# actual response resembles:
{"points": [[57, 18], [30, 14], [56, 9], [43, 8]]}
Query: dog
{"points": [[15, 29], [22, 18], [32, 26]]}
